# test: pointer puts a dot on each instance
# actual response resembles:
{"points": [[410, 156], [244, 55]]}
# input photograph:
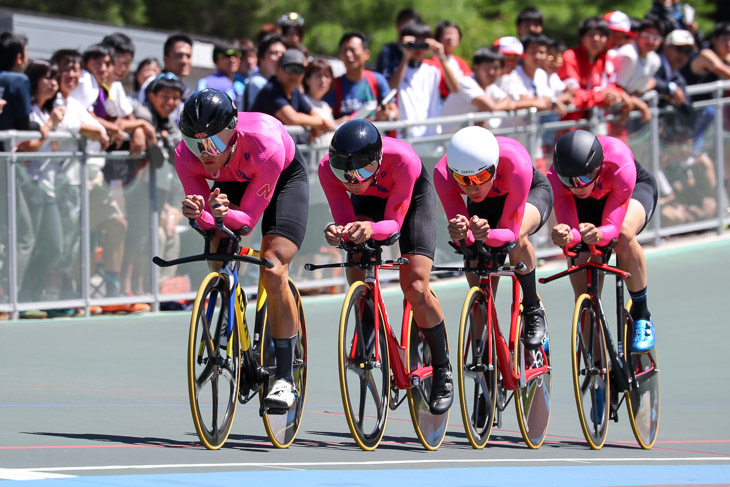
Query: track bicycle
{"points": [[227, 366], [601, 372], [494, 368], [374, 367]]}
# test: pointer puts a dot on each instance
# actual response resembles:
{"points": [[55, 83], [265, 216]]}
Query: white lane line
{"points": [[385, 462], [23, 474]]}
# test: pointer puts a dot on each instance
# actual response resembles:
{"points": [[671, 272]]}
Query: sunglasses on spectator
{"points": [[651, 37], [229, 53], [687, 50], [475, 179], [293, 68]]}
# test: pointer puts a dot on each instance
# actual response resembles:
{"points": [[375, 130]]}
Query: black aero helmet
{"points": [[208, 122], [577, 158], [355, 147]]}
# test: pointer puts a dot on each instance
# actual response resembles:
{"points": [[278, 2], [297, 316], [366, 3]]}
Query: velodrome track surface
{"points": [[103, 401]]}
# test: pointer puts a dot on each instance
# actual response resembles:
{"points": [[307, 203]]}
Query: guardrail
{"points": [[76, 280]]}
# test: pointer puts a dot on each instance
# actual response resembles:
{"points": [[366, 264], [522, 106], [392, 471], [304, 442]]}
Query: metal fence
{"points": [[60, 235]]}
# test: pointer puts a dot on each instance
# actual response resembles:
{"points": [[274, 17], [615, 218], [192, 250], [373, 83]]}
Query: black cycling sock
{"points": [[639, 307], [529, 289], [285, 357], [436, 339]]}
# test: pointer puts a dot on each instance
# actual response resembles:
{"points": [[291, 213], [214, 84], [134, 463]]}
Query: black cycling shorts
{"points": [[418, 232], [287, 212], [590, 210], [540, 196]]}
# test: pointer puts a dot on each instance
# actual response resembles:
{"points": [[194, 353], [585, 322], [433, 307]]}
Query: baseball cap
{"points": [[679, 37], [292, 56], [619, 21], [509, 45]]}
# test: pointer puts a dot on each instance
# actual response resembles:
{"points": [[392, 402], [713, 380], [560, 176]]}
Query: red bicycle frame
{"points": [[507, 350]]}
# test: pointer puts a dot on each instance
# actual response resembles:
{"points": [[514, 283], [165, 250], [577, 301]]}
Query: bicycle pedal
{"points": [[276, 411]]}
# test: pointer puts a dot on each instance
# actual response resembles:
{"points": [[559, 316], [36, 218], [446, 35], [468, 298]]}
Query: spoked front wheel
{"points": [[532, 400], [590, 372], [282, 428], [213, 363], [430, 428], [477, 370], [643, 398], [364, 370]]}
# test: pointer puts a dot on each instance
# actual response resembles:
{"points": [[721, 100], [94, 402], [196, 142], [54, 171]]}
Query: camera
{"points": [[416, 45]]}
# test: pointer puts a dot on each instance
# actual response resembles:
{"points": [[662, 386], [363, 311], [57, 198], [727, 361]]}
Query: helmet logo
{"points": [[201, 135]]}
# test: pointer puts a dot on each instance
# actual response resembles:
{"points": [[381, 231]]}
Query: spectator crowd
{"points": [[416, 77]]}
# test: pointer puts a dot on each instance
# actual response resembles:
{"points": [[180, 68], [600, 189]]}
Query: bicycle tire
{"points": [[532, 400], [477, 370], [282, 429], [213, 369], [430, 428], [364, 381], [591, 384], [643, 399]]}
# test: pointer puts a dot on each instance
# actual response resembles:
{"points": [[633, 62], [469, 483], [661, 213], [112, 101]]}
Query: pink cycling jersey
{"points": [[394, 181], [615, 182], [513, 178], [263, 150]]}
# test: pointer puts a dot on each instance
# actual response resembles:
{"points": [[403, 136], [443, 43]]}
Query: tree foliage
{"points": [[481, 21]]}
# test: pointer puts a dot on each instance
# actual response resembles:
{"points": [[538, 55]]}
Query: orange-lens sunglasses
{"points": [[476, 179]]}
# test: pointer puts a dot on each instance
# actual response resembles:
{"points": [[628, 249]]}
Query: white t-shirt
{"points": [[537, 86], [632, 71], [118, 105], [73, 118], [322, 109], [461, 102], [87, 91], [419, 98]]}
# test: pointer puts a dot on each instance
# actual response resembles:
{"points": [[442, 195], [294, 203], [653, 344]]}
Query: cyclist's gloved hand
{"points": [[458, 228], [479, 228], [358, 232], [218, 203], [561, 235], [192, 206]]}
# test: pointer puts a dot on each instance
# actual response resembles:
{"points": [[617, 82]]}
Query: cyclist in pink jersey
{"points": [[377, 186], [257, 173], [602, 193], [507, 200]]}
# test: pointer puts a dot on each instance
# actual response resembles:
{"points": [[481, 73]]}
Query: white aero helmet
{"points": [[472, 151]]}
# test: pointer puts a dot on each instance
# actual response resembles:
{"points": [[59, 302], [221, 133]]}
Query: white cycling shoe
{"points": [[281, 396]]}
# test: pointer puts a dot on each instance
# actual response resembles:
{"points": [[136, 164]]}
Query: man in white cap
{"points": [[668, 80], [619, 29]]}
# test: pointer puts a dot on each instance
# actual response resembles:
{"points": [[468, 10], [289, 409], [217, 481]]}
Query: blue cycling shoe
{"points": [[643, 336], [598, 417]]}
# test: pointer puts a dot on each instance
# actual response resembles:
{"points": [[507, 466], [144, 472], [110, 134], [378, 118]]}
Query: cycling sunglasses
{"points": [[476, 179], [228, 53], [579, 181], [359, 169], [214, 145]]}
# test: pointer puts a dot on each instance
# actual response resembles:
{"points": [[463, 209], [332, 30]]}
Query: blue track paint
{"points": [[562, 476]]}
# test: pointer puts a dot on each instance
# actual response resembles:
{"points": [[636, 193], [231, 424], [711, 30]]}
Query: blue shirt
{"points": [[389, 59], [271, 99], [220, 81], [356, 94]]}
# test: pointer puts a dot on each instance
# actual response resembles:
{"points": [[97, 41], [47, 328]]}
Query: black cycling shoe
{"points": [[534, 320], [442, 390]]}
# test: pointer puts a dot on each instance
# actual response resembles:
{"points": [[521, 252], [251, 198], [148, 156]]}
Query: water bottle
{"points": [[60, 101]]}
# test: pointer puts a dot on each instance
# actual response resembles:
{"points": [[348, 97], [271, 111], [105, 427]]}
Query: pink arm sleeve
{"points": [[564, 205], [399, 199], [337, 197], [450, 194], [622, 179]]}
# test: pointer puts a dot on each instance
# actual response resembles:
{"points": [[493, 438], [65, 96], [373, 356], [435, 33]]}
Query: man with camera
{"points": [[418, 82]]}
